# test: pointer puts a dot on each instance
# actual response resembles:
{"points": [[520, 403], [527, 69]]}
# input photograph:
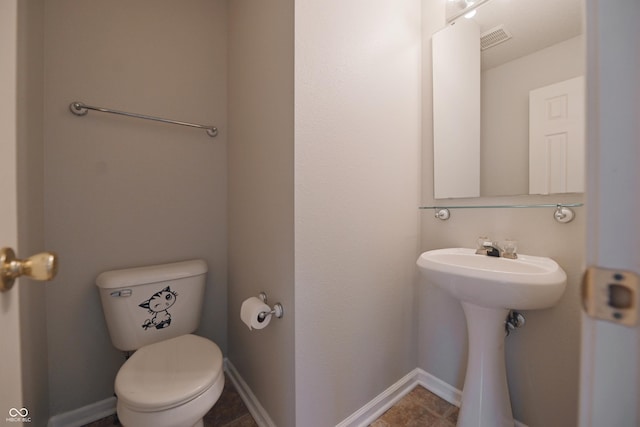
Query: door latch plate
{"points": [[612, 295]]}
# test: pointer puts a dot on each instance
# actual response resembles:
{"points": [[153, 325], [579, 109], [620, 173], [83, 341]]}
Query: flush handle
{"points": [[42, 266]]}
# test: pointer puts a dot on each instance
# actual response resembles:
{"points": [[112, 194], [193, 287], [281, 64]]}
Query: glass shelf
{"points": [[540, 205], [563, 212]]}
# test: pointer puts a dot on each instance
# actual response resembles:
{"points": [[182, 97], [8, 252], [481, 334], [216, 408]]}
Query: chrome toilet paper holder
{"points": [[277, 309]]}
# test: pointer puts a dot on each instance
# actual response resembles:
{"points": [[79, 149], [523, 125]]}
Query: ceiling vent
{"points": [[494, 37]]}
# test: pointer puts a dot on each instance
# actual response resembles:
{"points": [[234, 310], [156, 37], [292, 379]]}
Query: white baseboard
{"points": [[438, 387], [384, 401], [372, 410], [361, 418], [84, 415], [258, 413], [104, 408]]}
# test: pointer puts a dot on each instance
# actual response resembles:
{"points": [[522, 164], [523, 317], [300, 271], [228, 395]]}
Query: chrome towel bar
{"points": [[80, 109]]}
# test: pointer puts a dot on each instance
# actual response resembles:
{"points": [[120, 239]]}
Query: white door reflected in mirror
{"points": [[556, 138]]}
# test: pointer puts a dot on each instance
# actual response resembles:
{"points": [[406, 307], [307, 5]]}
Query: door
{"points": [[610, 363], [556, 138], [11, 396], [23, 338]]}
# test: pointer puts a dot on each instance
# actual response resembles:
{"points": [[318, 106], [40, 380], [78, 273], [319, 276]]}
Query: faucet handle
{"points": [[483, 243], [510, 246]]}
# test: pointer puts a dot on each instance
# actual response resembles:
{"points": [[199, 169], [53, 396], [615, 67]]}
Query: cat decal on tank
{"points": [[158, 305]]}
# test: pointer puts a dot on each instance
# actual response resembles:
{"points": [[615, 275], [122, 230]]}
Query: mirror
{"points": [[508, 94]]}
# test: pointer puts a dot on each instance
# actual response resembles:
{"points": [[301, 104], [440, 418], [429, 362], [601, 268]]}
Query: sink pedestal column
{"points": [[485, 396]]}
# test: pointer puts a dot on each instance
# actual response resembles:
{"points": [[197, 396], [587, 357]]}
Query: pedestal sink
{"points": [[488, 288]]}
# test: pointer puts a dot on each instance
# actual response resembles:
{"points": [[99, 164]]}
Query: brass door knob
{"points": [[42, 266]]}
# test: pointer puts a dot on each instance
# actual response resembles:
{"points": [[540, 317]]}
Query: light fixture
{"points": [[466, 8], [471, 14]]}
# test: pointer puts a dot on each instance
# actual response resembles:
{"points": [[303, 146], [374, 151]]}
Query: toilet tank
{"points": [[148, 304]]}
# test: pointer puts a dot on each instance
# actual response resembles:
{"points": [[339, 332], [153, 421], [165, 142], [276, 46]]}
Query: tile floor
{"points": [[419, 408]]}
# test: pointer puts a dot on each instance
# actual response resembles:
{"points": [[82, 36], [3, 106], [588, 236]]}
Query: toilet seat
{"points": [[168, 373]]}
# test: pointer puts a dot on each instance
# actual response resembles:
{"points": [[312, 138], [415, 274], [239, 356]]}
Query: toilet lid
{"points": [[169, 373]]}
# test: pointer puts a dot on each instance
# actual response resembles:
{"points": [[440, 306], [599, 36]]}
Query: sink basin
{"points": [[488, 288], [528, 282]]}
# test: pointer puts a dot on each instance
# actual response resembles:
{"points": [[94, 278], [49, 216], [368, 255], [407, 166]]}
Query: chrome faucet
{"points": [[490, 248]]}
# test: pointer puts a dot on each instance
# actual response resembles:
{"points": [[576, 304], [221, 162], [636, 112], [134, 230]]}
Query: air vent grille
{"points": [[494, 37]]}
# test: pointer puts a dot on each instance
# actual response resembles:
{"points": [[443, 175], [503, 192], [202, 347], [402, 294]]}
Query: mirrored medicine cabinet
{"points": [[508, 94]]}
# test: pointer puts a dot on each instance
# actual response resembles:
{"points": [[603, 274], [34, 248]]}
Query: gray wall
{"points": [[543, 357], [357, 191], [261, 184], [122, 192], [327, 222]]}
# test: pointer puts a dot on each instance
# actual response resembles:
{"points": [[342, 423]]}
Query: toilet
{"points": [[174, 377]]}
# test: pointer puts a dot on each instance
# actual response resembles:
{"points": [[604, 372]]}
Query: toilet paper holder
{"points": [[277, 309]]}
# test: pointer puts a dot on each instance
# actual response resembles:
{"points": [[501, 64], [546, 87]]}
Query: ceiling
{"points": [[534, 25]]}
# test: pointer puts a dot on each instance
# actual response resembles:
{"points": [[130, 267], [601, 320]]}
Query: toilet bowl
{"points": [[172, 383], [174, 377]]}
